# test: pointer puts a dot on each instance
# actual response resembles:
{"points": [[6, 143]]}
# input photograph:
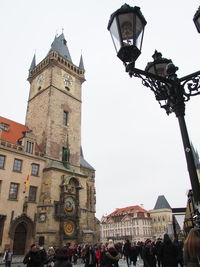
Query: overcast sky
{"points": [[134, 146]]}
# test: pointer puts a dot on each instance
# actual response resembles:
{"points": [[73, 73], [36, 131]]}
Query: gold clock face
{"points": [[69, 228], [69, 206]]}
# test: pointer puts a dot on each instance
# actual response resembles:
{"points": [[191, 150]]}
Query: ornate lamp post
{"points": [[196, 20], [126, 26]]}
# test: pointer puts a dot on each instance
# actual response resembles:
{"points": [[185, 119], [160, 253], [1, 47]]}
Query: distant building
{"points": [[133, 223], [161, 215]]}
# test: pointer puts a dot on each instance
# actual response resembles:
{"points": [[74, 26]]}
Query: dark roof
{"points": [[83, 162], [60, 45], [81, 65], [162, 203], [33, 63]]}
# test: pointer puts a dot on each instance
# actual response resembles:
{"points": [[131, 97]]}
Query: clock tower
{"points": [[66, 212]]}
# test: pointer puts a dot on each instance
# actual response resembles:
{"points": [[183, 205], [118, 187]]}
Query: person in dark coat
{"points": [[62, 258], [112, 255], [103, 256], [179, 246], [33, 257], [158, 247], [90, 259], [149, 254], [168, 253], [133, 254], [126, 251]]}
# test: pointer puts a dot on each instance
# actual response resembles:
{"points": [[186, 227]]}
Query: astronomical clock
{"points": [[67, 208]]}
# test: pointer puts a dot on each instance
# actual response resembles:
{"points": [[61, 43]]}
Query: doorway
{"points": [[20, 239]]}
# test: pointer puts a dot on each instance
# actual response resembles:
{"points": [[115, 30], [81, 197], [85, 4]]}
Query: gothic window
{"points": [[35, 169], [2, 161], [13, 192], [32, 193], [65, 118], [17, 165]]}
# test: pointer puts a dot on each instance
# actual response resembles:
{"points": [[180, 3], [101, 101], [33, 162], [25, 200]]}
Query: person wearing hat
{"points": [[7, 257], [112, 255]]}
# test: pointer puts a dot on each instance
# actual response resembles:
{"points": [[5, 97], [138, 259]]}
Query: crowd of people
{"points": [[161, 253]]}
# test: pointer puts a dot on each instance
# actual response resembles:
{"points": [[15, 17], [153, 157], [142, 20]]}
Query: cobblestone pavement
{"points": [[17, 262]]}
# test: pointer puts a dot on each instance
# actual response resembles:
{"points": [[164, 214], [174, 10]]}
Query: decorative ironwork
{"points": [[171, 92]]}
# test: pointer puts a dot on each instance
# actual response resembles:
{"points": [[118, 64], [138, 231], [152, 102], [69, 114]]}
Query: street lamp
{"points": [[196, 19], [126, 26]]}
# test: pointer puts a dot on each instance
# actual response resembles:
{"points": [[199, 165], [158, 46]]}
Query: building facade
{"points": [[49, 144], [133, 223]]}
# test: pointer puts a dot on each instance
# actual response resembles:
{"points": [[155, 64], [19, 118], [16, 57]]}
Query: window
{"points": [[4, 126], [35, 169], [65, 118], [17, 165], [2, 161], [13, 191], [65, 154], [0, 186], [29, 147], [32, 193]]}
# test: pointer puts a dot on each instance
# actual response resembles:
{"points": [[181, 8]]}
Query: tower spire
{"points": [[60, 45], [33, 63], [81, 65]]}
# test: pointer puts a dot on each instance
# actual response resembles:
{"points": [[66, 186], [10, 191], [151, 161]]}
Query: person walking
{"points": [[112, 255], [126, 251], [50, 259], [191, 252], [149, 254], [103, 256], [133, 254], [7, 257], [158, 247], [179, 246], [90, 259], [33, 257], [168, 253], [62, 258]]}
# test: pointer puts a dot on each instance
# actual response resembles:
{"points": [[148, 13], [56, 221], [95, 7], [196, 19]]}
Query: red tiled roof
{"points": [[127, 210], [15, 131]]}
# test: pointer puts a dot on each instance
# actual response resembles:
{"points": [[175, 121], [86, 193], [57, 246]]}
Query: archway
{"points": [[21, 233], [19, 241]]}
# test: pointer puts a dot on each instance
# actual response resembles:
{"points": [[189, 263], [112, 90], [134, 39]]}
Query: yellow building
{"points": [[44, 158]]}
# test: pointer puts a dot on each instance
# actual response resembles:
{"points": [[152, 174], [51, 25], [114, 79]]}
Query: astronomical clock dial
{"points": [[40, 79], [68, 80], [42, 217], [69, 206], [69, 228]]}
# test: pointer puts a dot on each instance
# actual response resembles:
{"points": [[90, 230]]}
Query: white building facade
{"points": [[133, 223]]}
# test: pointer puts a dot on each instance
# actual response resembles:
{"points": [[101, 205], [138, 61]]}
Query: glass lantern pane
{"points": [[139, 33], [115, 35], [126, 27]]}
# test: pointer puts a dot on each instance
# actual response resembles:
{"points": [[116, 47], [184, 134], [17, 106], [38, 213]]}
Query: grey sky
{"points": [[134, 146]]}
